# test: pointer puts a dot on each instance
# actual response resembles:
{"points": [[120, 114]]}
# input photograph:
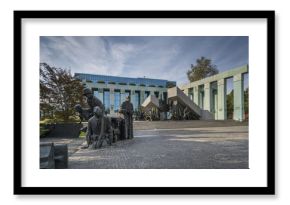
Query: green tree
{"points": [[246, 102], [230, 105], [59, 92], [203, 68]]}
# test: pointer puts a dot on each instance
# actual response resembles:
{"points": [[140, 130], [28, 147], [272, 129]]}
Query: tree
{"points": [[230, 105], [246, 101], [203, 68], [59, 92]]}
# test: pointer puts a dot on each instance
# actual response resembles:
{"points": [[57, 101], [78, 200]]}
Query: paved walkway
{"points": [[74, 144], [181, 148]]}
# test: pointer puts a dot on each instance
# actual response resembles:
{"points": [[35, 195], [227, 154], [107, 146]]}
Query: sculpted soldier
{"points": [[92, 100], [99, 129], [127, 111], [84, 114]]}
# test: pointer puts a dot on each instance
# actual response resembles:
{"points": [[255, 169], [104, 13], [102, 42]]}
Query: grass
{"points": [[82, 135]]}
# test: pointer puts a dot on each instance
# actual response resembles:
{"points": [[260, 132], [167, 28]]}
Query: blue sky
{"points": [[162, 57]]}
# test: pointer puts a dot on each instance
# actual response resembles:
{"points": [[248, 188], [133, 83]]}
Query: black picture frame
{"points": [[268, 190]]}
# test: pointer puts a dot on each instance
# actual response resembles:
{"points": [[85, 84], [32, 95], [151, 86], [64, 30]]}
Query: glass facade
{"points": [[124, 95], [96, 93], [112, 91], [106, 99], [156, 94], [136, 100], [190, 93], [147, 93], [124, 80], [117, 101]]}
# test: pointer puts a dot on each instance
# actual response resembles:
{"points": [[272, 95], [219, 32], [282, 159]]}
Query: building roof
{"points": [[126, 80]]}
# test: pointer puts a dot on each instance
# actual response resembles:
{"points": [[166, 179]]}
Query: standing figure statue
{"points": [[127, 111], [99, 129]]}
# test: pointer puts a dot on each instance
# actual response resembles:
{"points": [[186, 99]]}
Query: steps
{"points": [[150, 101], [176, 94]]}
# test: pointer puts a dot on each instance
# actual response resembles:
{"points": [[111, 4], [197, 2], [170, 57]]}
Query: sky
{"points": [[159, 57]]}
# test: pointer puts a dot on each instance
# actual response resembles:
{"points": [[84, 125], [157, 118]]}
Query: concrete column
{"points": [[133, 101], [221, 101], [207, 97], [101, 94], [112, 100], [238, 97], [160, 95], [186, 91], [142, 96], [195, 94]]}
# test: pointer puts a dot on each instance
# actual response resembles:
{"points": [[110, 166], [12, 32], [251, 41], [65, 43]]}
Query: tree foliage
{"points": [[203, 68], [230, 103], [59, 92]]}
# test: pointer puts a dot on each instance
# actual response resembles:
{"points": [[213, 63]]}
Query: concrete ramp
{"points": [[150, 101], [176, 94]]}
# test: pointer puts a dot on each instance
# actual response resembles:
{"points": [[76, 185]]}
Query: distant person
{"points": [[127, 111]]}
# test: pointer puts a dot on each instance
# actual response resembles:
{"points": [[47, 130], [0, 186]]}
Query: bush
{"points": [[47, 121], [82, 134], [46, 125]]}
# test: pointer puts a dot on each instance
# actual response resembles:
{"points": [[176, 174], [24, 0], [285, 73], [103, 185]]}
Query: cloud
{"points": [[164, 57]]}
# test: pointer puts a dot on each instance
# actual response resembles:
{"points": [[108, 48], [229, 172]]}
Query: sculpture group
{"points": [[100, 128]]}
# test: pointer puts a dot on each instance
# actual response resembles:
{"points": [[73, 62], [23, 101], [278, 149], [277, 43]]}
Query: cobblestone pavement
{"points": [[181, 148]]}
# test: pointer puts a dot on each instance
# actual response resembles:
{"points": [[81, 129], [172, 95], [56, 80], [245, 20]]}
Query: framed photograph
{"points": [[144, 102]]}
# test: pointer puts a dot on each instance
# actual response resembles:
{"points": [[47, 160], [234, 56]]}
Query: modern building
{"points": [[210, 94], [112, 90]]}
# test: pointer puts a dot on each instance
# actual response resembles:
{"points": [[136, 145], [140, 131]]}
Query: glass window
{"points": [[96, 93], [107, 99], [117, 101], [156, 94], [147, 93], [136, 102]]}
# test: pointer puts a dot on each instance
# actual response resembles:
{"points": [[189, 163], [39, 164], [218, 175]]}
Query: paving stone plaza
{"points": [[169, 145]]}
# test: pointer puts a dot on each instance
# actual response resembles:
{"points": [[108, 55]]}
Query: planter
{"points": [[66, 130]]}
